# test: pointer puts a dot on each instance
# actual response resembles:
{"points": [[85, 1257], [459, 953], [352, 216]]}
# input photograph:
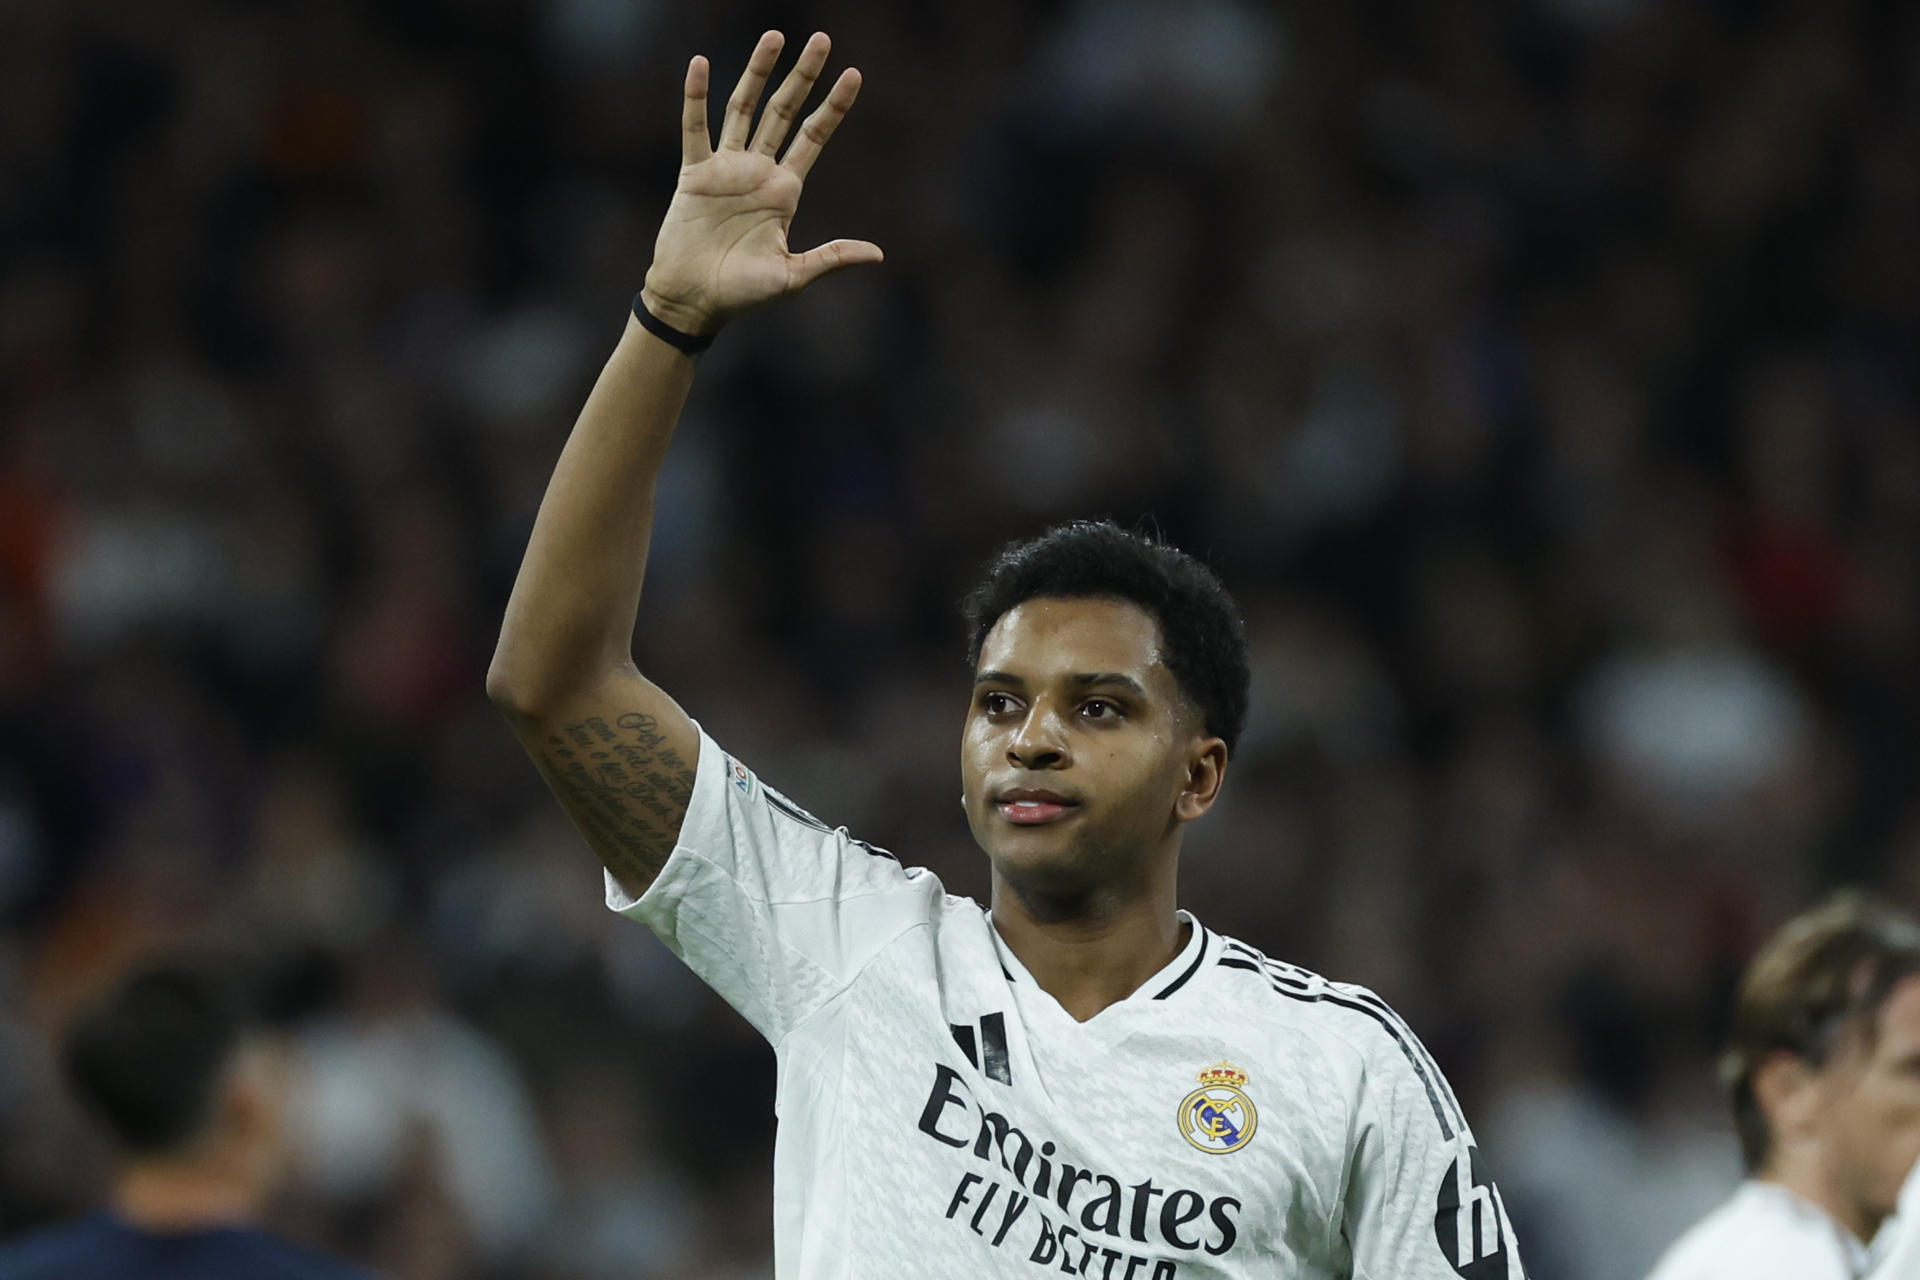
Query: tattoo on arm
{"points": [[624, 787]]}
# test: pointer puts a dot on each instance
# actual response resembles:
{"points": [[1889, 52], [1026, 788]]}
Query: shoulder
{"points": [[1760, 1233], [958, 913], [264, 1254], [80, 1247], [1349, 1020], [100, 1246], [1359, 1034]]}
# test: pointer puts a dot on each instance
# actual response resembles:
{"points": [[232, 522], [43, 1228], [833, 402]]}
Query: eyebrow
{"points": [[1084, 680]]}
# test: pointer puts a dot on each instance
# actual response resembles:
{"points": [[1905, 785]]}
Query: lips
{"points": [[1030, 808]]}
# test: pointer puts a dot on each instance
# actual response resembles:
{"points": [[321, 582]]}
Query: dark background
{"points": [[1540, 375]]}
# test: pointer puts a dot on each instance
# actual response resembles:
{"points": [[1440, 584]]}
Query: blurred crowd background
{"points": [[1543, 376]]}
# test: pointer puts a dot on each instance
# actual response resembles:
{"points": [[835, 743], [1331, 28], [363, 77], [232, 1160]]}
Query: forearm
{"points": [[618, 752], [569, 622]]}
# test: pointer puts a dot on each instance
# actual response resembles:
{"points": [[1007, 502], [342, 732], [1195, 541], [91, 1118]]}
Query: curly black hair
{"points": [[1205, 641]]}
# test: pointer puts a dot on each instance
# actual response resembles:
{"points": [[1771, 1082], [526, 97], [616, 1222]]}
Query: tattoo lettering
{"points": [[624, 788]]}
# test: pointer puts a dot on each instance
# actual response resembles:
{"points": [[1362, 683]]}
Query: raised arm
{"points": [[617, 751]]}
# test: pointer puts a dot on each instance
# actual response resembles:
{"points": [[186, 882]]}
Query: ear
{"points": [[1790, 1093], [1206, 770]]}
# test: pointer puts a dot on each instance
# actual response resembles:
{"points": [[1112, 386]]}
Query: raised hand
{"points": [[723, 247]]}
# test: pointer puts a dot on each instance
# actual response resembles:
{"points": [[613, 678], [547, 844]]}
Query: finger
{"points": [[821, 124], [831, 257], [786, 102], [746, 94], [695, 143]]}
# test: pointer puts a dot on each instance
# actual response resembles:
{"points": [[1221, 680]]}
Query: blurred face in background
{"points": [[1870, 1121]]}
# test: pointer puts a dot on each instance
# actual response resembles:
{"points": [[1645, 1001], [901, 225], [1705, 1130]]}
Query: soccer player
{"points": [[1082, 1078], [187, 1086], [1824, 1069]]}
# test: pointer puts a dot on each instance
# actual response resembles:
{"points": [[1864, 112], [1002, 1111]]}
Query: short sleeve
{"points": [[773, 909], [1420, 1203]]}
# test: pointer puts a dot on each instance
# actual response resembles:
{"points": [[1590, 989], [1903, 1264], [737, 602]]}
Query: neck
{"points": [[1811, 1182], [168, 1197], [1093, 950]]}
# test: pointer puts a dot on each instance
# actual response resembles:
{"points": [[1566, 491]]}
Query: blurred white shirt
{"points": [[1899, 1241], [368, 1092], [1765, 1232]]}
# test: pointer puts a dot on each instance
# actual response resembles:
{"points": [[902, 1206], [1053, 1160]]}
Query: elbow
{"points": [[533, 685], [511, 688]]}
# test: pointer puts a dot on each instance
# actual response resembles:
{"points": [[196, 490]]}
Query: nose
{"points": [[1040, 741]]}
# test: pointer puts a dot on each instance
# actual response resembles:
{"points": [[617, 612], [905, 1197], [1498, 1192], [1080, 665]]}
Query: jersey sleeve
{"points": [[1419, 1202], [773, 909]]}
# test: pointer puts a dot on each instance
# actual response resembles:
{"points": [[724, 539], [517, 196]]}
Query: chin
{"points": [[1053, 869]]}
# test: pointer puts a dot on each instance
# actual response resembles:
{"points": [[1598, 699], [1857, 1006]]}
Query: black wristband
{"points": [[691, 343]]}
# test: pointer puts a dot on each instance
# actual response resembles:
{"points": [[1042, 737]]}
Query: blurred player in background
{"points": [[188, 1086], [1824, 1069], [1082, 1078]]}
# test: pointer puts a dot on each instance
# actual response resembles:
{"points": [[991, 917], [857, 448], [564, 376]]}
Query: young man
{"points": [[1824, 1070], [1082, 1079], [171, 1063]]}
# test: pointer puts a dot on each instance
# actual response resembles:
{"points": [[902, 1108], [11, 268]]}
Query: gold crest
{"points": [[1219, 1117]]}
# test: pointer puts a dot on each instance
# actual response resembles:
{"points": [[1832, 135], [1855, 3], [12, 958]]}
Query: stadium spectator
{"points": [[189, 1086]]}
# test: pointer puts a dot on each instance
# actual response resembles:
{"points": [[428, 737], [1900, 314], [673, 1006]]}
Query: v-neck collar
{"points": [[1174, 976]]}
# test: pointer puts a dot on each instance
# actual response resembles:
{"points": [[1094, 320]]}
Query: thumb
{"points": [[831, 257]]}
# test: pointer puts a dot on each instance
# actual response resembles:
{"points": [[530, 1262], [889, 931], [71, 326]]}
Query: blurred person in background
{"points": [[1824, 1069], [1111, 685], [190, 1086], [395, 1091]]}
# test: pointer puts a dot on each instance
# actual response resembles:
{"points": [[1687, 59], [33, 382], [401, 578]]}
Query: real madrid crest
{"points": [[1218, 1117]]}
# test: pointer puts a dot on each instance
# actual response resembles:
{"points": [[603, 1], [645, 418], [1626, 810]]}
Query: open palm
{"points": [[723, 246]]}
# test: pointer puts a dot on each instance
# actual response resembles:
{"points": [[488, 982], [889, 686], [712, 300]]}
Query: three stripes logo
{"points": [[989, 1052], [1470, 1222]]}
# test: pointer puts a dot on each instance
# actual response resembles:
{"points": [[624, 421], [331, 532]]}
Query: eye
{"points": [[1099, 709], [997, 704]]}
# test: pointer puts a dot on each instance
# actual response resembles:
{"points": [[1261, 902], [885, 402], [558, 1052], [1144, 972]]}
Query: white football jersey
{"points": [[943, 1118], [1899, 1240], [1765, 1232]]}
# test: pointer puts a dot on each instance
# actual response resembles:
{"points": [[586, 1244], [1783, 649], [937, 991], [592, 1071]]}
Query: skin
{"points": [[1846, 1134], [223, 1177], [1072, 697], [1086, 903], [616, 749]]}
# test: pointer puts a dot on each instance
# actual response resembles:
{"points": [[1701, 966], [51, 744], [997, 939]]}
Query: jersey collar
{"points": [[1175, 976]]}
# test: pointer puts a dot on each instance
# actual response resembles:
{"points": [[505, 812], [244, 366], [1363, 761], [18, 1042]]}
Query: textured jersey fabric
{"points": [[102, 1247], [942, 1117], [1765, 1232]]}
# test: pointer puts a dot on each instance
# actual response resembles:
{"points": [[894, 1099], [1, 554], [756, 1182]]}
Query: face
{"points": [[1873, 1119], [1081, 758]]}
